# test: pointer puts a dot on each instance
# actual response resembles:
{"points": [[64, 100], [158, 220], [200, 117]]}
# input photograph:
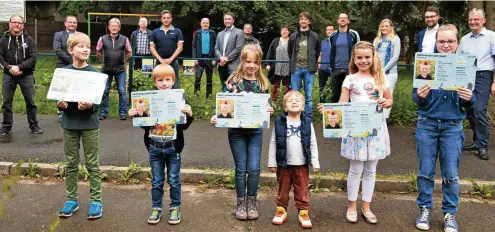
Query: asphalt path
{"points": [[208, 147]]}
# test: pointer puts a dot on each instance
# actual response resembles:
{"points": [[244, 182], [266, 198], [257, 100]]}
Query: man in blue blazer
{"points": [[60, 46], [427, 37]]}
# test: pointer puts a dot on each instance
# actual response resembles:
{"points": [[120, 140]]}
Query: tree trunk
{"points": [[475, 4], [490, 15]]}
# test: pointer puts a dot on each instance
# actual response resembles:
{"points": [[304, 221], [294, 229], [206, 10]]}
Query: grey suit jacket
{"points": [[60, 45], [233, 49]]}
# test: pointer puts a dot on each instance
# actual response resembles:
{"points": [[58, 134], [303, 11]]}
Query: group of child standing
{"points": [[292, 149]]}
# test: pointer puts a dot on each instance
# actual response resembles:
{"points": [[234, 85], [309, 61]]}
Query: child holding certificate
{"points": [[80, 122], [365, 83], [292, 149], [246, 143], [440, 133], [165, 143]]}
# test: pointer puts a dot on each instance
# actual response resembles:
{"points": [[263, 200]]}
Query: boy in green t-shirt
{"points": [[80, 122]]}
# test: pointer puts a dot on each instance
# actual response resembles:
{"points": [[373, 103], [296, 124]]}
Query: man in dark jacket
{"points": [[60, 46], [140, 41], [18, 59], [304, 49], [341, 42], [248, 33], [203, 46]]}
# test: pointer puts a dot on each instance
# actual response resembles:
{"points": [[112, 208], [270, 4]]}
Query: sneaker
{"points": [[5, 131], [304, 220], [102, 117], [450, 224], [70, 207], [240, 212], [123, 117], [156, 215], [252, 210], [280, 216], [174, 218], [423, 220], [95, 210], [35, 129]]}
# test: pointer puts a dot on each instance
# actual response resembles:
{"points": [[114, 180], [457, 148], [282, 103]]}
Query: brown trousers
{"points": [[297, 176]]}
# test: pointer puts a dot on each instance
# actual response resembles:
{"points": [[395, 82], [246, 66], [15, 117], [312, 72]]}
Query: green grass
{"points": [[403, 111]]}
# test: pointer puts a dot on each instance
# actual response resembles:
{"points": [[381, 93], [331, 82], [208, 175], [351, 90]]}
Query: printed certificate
{"points": [[357, 119], [158, 107], [444, 71], [243, 110], [74, 85], [188, 66]]}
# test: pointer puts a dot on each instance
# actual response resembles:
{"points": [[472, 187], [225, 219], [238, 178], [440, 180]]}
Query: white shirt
{"points": [[294, 152], [429, 40], [226, 37]]}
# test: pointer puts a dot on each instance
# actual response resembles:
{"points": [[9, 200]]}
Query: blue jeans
{"points": [[120, 79], [477, 114], [246, 148], [323, 76], [164, 155], [441, 139], [224, 73], [303, 74]]}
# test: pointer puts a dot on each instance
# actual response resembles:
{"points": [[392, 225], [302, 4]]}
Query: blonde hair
{"points": [[379, 35], [448, 27], [163, 70], [293, 92], [237, 75], [376, 69], [77, 38]]}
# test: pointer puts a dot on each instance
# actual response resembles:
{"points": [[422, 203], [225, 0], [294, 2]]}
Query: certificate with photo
{"points": [[188, 66], [158, 107], [77, 86], [243, 110], [356, 119], [445, 71]]}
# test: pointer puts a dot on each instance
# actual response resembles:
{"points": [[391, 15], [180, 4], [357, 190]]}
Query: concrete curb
{"points": [[221, 176]]}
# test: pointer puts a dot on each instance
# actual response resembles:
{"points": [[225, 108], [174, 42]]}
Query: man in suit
{"points": [[427, 37], [60, 46], [228, 48], [203, 46]]}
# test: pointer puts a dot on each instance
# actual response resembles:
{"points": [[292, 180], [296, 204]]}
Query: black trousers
{"points": [[208, 68], [9, 85]]}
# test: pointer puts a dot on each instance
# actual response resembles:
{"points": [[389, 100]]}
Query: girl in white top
{"points": [[366, 82]]}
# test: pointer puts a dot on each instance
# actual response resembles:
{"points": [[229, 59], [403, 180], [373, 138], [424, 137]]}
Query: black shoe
{"points": [[483, 154], [470, 147], [5, 131], [102, 117], [122, 117], [35, 129]]}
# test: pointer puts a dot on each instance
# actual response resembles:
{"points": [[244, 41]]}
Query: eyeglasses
{"points": [[449, 42], [18, 23], [431, 16]]}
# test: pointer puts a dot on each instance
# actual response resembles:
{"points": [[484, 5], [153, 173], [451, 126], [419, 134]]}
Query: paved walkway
{"points": [[208, 147], [126, 208]]}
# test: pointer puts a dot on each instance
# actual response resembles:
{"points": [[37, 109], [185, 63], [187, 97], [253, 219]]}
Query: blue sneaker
{"points": [[450, 225], [174, 218], [423, 220], [70, 207], [95, 210], [156, 215]]}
